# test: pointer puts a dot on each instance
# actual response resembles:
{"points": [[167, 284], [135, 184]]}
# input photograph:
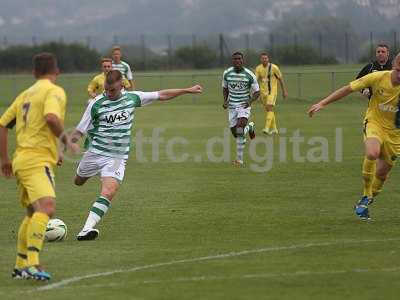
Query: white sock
{"points": [[98, 210], [240, 143]]}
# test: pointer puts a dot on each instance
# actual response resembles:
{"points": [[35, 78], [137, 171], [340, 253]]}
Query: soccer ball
{"points": [[56, 230]]}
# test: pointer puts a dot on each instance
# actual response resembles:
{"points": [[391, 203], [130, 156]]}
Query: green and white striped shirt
{"points": [[124, 68], [108, 123], [239, 85]]}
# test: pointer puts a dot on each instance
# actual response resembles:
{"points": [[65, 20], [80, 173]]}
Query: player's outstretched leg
{"points": [[96, 213], [109, 187]]}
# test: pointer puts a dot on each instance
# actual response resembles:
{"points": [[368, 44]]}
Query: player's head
{"points": [[45, 64], [382, 53], [237, 60], [264, 58], [116, 54], [113, 84], [106, 65]]}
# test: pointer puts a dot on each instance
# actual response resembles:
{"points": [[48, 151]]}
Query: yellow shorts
{"points": [[268, 99], [34, 184], [389, 140]]}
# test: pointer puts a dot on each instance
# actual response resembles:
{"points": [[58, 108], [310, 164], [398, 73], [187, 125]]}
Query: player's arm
{"points": [[356, 85], [53, 113], [131, 85], [168, 94], [129, 76], [7, 121], [279, 77], [92, 88], [283, 87], [225, 92], [335, 96], [81, 129], [148, 97], [6, 167], [256, 92]]}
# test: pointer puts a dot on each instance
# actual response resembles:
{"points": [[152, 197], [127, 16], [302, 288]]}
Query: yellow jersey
{"points": [[36, 145], [267, 77], [96, 85], [383, 105]]}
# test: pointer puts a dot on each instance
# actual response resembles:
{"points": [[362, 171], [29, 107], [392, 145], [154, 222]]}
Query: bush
{"points": [[71, 57], [301, 55], [199, 57]]}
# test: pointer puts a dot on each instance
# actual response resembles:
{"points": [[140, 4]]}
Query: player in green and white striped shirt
{"points": [[108, 122], [123, 67], [240, 89]]}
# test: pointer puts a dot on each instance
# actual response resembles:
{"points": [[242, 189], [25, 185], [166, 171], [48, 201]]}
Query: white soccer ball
{"points": [[56, 230]]}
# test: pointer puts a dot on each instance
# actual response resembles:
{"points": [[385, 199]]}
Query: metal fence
{"points": [[302, 84], [348, 47]]}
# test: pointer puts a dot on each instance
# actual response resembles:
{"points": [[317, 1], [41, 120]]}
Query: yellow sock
{"points": [[274, 121], [21, 261], [377, 185], [36, 231], [368, 171], [269, 119]]}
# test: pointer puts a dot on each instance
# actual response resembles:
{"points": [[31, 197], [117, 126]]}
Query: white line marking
{"points": [[68, 281]]}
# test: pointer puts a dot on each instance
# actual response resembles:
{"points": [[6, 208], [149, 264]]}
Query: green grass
{"points": [[299, 214]]}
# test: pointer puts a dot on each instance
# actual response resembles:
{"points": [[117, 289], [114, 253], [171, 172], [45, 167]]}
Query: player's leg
{"points": [[112, 174], [21, 261], [88, 167], [383, 169], [39, 186], [79, 180], [241, 131], [389, 153], [270, 123], [372, 153]]}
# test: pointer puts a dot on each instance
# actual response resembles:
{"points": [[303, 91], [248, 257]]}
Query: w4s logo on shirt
{"points": [[118, 117], [238, 85]]}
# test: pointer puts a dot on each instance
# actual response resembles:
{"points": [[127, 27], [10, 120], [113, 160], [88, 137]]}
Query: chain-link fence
{"points": [[307, 85], [347, 47]]}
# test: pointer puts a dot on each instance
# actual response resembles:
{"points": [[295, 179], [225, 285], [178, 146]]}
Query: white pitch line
{"points": [[68, 281]]}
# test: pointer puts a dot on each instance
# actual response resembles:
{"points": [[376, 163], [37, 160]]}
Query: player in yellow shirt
{"points": [[38, 114], [268, 75], [96, 85], [381, 128]]}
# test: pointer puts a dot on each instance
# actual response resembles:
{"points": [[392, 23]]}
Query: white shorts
{"points": [[237, 113], [92, 164]]}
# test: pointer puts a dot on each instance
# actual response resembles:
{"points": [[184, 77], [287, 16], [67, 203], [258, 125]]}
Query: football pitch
{"points": [[189, 225]]}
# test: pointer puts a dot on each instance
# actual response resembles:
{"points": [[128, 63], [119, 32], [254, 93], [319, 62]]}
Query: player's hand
{"points": [[284, 94], [6, 169], [196, 89], [74, 148], [225, 105], [366, 93], [60, 159], [315, 108]]}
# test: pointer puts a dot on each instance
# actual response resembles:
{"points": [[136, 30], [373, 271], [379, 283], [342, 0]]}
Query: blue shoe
{"points": [[361, 208], [36, 274]]}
